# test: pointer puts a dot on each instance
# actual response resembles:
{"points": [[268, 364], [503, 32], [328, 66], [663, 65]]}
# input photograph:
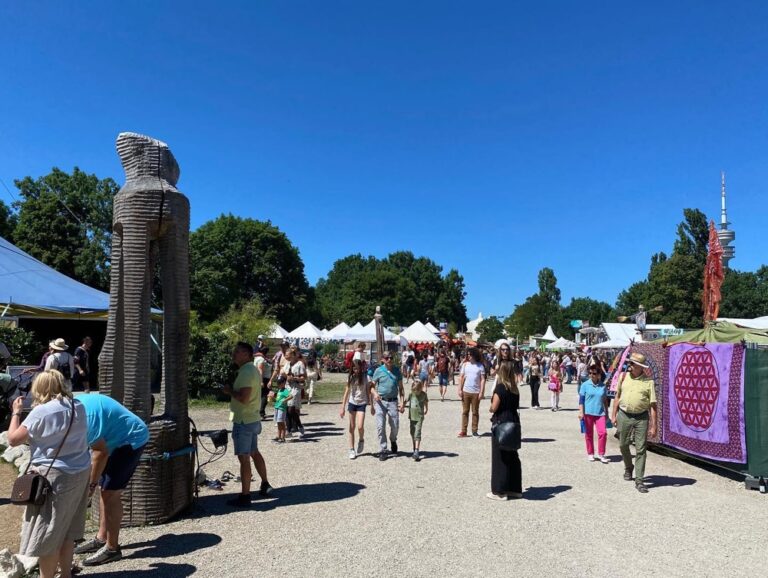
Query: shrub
{"points": [[23, 345]]}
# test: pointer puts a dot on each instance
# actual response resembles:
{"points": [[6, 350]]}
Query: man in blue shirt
{"points": [[117, 438], [386, 396]]}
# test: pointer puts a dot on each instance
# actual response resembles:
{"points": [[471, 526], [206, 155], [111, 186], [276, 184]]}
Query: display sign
{"points": [[669, 332]]}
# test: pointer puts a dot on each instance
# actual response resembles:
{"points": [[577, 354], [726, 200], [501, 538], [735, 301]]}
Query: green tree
{"points": [[490, 329], [24, 346], [629, 300], [693, 235], [539, 310], [7, 222], [65, 221], [407, 288], [745, 294], [590, 310], [235, 260]]}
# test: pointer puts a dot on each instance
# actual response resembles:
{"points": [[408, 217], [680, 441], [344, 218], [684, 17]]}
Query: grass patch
{"points": [[329, 391], [207, 401]]}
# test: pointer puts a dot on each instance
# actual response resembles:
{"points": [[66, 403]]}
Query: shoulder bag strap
{"points": [[69, 427]]}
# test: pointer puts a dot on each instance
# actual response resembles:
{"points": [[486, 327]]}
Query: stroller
{"points": [[10, 388]]}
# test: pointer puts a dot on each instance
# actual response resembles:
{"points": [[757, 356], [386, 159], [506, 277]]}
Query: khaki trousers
{"points": [[470, 400]]}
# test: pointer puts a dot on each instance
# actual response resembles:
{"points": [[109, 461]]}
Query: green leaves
{"points": [[490, 329], [234, 260], [407, 288], [65, 221]]}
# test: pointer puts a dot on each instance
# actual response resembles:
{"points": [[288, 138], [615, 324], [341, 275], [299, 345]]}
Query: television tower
{"points": [[725, 234]]}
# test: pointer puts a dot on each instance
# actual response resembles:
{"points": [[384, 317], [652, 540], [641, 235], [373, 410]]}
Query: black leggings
{"points": [[293, 419], [535, 383]]}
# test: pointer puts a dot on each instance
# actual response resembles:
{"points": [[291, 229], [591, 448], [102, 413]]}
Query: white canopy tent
{"points": [[338, 333], [432, 328], [756, 323], [562, 343], [419, 333], [549, 335], [306, 331], [277, 332], [368, 334]]}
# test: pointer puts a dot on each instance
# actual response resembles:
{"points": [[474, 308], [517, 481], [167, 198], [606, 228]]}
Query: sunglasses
{"points": [[593, 373]]}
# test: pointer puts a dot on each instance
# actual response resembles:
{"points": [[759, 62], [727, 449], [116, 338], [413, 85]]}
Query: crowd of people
{"points": [[90, 441]]}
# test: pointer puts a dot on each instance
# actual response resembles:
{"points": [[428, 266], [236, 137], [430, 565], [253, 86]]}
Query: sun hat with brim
{"points": [[59, 345], [638, 359]]}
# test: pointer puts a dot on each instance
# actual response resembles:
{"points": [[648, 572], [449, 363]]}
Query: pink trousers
{"points": [[589, 422]]}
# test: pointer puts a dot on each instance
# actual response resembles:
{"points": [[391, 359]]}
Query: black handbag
{"points": [[508, 436], [34, 489]]}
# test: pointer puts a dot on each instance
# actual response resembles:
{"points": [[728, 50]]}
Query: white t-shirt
{"points": [[58, 359], [259, 362], [47, 425], [297, 370], [472, 372]]}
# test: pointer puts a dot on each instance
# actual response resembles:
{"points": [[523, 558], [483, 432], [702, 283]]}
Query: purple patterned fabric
{"points": [[704, 400], [655, 357]]}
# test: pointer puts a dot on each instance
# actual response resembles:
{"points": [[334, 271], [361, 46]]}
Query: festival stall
{"points": [[277, 333], [417, 332], [305, 335], [712, 396]]}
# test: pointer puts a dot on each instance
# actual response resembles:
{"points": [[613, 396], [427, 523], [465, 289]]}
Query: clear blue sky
{"points": [[494, 137]]}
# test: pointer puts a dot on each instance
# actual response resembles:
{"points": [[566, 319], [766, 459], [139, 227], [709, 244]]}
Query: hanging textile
{"points": [[655, 357], [704, 401]]}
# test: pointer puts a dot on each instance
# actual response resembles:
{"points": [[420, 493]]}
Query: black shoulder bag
{"points": [[34, 489]]}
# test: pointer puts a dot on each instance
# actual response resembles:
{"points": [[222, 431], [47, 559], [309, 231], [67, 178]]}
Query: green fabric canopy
{"points": [[720, 332]]}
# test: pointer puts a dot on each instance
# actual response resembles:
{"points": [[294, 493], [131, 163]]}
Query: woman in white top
{"points": [[355, 401], [49, 531], [297, 377]]}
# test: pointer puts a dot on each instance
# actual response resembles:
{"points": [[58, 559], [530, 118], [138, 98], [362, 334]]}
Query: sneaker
{"points": [[475, 434], [394, 448], [360, 447], [514, 495], [417, 456], [92, 545], [628, 474], [641, 487], [604, 460], [265, 489], [352, 454], [492, 496], [103, 556], [241, 501], [590, 458], [462, 434], [383, 455]]}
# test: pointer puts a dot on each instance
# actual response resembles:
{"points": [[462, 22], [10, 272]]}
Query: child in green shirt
{"points": [[281, 395], [418, 405]]}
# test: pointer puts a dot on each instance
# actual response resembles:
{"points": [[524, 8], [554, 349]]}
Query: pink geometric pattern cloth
{"points": [[655, 358], [704, 400]]}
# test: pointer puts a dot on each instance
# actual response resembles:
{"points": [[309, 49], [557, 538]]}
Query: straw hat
{"points": [[638, 359], [59, 345]]}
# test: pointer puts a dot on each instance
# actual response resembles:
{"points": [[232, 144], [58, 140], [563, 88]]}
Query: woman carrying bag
{"points": [[59, 451], [506, 471]]}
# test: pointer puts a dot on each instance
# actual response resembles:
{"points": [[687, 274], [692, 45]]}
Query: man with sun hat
{"points": [[634, 410]]}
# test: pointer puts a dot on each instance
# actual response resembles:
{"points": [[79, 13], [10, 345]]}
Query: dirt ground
{"points": [[9, 514]]}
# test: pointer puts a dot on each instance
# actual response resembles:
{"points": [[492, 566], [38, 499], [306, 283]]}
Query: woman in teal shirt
{"points": [[593, 409]]}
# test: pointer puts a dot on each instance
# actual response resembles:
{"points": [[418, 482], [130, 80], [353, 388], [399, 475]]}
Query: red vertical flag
{"points": [[713, 276]]}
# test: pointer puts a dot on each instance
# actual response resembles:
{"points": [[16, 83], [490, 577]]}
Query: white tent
{"points": [[610, 344], [419, 333], [277, 332], [325, 333], [368, 334], [549, 335], [562, 343], [339, 332], [432, 328], [756, 323], [306, 331], [499, 343]]}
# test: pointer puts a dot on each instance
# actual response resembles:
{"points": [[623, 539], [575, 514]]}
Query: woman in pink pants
{"points": [[593, 409]]}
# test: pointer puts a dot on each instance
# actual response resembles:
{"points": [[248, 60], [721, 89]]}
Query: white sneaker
{"points": [[605, 460], [352, 454], [590, 458], [360, 447]]}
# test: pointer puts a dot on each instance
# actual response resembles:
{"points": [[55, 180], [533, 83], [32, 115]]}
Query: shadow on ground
{"points": [[216, 505], [536, 440], [169, 545], [544, 492], [157, 569], [4, 501], [430, 455], [671, 481]]}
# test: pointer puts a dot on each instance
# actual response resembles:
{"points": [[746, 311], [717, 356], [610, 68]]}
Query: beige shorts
{"points": [[62, 517]]}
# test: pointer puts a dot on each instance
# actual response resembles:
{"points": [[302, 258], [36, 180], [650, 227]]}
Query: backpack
{"points": [[63, 364]]}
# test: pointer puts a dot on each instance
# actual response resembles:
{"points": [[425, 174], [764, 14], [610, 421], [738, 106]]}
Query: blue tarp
{"points": [[26, 282]]}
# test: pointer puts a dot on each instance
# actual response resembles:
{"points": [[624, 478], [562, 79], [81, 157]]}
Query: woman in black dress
{"points": [[506, 471]]}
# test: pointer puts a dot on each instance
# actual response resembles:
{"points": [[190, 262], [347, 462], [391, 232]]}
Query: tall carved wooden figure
{"points": [[151, 222]]}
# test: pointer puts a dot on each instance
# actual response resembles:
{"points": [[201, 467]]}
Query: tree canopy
{"points": [[7, 222], [234, 260], [65, 221], [490, 329], [408, 288]]}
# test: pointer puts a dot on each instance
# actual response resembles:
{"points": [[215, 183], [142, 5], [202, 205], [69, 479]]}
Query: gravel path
{"points": [[331, 515]]}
